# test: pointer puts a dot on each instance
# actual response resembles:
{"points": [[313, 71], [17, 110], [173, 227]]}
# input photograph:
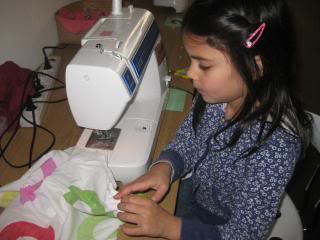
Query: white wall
{"points": [[26, 26]]}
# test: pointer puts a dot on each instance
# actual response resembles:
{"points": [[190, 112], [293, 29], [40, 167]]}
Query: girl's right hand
{"points": [[157, 178]]}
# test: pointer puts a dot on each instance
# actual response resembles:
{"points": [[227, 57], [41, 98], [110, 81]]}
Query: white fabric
{"points": [[68, 193]]}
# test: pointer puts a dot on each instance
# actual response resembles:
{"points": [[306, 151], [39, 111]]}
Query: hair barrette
{"points": [[259, 31]]}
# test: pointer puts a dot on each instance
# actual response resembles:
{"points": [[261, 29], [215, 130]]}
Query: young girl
{"points": [[243, 135]]}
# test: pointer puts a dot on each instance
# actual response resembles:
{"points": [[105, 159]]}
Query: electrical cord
{"points": [[38, 87], [34, 134], [46, 59], [32, 76], [51, 89], [57, 101], [48, 75], [30, 161], [13, 122], [35, 125]]}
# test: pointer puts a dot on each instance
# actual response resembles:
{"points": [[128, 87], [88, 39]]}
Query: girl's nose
{"points": [[191, 73]]}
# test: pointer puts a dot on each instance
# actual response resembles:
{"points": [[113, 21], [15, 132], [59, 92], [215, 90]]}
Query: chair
{"points": [[288, 225]]}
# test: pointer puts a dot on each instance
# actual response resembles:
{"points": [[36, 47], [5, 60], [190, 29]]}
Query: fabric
{"points": [[233, 197], [78, 21], [66, 195], [15, 82]]}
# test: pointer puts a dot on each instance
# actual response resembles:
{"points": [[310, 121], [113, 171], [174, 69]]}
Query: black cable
{"points": [[46, 59], [32, 75], [34, 133], [51, 89], [48, 75], [30, 162], [35, 125], [48, 131], [57, 101], [22, 106]]}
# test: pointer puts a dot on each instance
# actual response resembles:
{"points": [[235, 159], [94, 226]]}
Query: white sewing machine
{"points": [[117, 81]]}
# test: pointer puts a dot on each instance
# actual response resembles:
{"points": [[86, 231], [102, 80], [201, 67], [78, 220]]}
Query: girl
{"points": [[243, 135]]}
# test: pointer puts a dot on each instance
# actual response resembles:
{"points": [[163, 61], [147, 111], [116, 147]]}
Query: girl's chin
{"points": [[208, 99]]}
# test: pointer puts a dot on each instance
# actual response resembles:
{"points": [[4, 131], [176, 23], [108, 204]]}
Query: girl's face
{"points": [[213, 74]]}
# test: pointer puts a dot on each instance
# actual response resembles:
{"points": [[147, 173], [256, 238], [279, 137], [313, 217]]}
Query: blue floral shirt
{"points": [[242, 192]]}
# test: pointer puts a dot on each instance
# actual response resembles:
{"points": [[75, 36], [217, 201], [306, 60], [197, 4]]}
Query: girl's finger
{"points": [[159, 194], [135, 199], [132, 231], [131, 188], [129, 217], [131, 208]]}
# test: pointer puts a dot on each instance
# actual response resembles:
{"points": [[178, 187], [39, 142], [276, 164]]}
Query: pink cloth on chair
{"points": [[78, 21]]}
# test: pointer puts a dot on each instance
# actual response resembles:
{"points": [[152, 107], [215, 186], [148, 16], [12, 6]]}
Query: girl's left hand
{"points": [[149, 218]]}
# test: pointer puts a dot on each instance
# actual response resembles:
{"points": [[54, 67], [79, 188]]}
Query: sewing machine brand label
{"points": [[104, 139]]}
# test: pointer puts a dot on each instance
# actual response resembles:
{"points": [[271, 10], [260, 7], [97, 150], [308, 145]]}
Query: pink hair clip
{"points": [[260, 29]]}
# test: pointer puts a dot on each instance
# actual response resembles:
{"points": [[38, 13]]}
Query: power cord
{"points": [[14, 121], [30, 106], [47, 64], [51, 89]]}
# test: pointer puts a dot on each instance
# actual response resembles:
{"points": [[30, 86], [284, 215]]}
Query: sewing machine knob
{"points": [[100, 47]]}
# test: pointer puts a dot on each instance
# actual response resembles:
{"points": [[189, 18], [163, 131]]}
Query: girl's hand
{"points": [[149, 218], [157, 178]]}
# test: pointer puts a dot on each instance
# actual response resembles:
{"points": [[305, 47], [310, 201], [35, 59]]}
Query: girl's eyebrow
{"points": [[200, 58]]}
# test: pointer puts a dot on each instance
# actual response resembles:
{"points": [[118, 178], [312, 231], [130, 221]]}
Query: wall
{"points": [[27, 26]]}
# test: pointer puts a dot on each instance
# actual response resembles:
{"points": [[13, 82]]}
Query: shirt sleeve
{"points": [[257, 198], [181, 148]]}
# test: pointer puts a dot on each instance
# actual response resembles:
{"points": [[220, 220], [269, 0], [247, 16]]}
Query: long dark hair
{"points": [[226, 25]]}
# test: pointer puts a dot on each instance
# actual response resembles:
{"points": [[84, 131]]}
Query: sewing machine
{"points": [[116, 87]]}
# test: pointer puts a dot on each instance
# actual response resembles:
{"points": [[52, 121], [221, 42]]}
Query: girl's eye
{"points": [[204, 68]]}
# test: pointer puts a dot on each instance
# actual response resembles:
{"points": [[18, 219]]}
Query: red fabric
{"points": [[12, 81], [20, 229], [78, 21]]}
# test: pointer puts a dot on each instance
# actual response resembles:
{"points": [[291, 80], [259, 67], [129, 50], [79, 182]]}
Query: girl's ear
{"points": [[259, 64]]}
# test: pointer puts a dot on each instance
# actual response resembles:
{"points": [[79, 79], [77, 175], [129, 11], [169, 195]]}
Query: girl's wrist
{"points": [[162, 167], [173, 228]]}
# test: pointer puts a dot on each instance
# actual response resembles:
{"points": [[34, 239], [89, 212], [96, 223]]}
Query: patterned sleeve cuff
{"points": [[166, 161], [175, 160]]}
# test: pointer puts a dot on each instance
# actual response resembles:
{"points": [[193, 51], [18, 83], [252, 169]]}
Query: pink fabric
{"points": [[28, 193], [48, 167], [78, 21]]}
